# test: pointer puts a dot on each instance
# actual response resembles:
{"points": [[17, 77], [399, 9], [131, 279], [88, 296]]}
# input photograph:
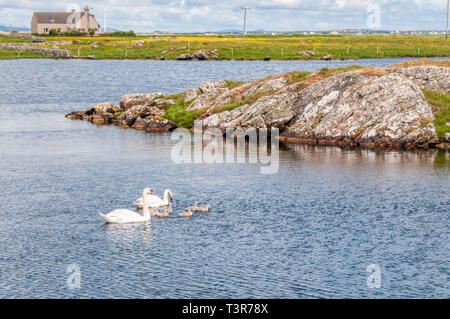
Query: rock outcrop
{"points": [[361, 107], [200, 55], [369, 107], [129, 100], [209, 91], [147, 116]]}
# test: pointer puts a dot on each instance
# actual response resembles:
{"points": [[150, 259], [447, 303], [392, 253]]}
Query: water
{"points": [[310, 230]]}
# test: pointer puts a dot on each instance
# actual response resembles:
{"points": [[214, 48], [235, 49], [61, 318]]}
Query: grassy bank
{"points": [[441, 106], [257, 47]]}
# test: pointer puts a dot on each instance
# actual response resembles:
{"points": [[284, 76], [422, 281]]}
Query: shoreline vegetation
{"points": [[406, 105], [223, 47]]}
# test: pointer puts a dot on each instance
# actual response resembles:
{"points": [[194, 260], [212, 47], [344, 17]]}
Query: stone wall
{"points": [[57, 53]]}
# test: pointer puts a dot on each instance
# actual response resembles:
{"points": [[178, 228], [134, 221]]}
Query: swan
{"points": [[201, 209], [187, 213], [155, 201], [166, 213], [123, 216]]}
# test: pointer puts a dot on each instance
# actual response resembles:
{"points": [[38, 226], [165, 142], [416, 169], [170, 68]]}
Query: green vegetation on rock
{"points": [[177, 112], [235, 103], [441, 106]]}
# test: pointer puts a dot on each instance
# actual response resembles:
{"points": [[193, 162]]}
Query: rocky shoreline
{"points": [[351, 107]]}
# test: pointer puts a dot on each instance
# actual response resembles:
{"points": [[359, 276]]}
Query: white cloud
{"points": [[203, 15]]}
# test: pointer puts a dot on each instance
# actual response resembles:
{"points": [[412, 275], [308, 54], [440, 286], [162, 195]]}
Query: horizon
{"points": [[198, 16]]}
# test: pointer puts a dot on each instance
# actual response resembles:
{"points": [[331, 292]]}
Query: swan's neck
{"points": [[146, 209], [166, 196]]}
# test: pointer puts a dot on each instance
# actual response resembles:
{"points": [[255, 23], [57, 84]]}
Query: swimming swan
{"points": [[166, 213], [199, 209], [187, 213], [155, 201], [123, 216]]}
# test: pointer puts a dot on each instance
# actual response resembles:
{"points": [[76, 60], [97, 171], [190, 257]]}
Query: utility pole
{"points": [[245, 20], [104, 20], [448, 7]]}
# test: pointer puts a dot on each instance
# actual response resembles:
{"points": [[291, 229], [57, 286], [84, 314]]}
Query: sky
{"points": [[273, 15]]}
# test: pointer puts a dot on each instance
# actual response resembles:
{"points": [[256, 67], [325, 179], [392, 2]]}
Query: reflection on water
{"points": [[364, 156], [309, 230]]}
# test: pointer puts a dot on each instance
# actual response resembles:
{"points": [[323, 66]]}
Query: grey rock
{"points": [[185, 57], [200, 55], [360, 107], [273, 85], [209, 91], [431, 78], [307, 53], [191, 93], [129, 100]]}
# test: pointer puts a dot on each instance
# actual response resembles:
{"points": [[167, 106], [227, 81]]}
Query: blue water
{"points": [[309, 231]]}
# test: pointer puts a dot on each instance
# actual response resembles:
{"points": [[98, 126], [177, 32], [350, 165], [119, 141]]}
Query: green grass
{"points": [[441, 106], [7, 39], [296, 76], [177, 112], [326, 72], [181, 117], [235, 103], [233, 84], [258, 47]]}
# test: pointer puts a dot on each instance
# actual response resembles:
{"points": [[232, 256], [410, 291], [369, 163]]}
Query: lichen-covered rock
{"points": [[266, 112], [161, 103], [431, 78], [129, 100], [106, 107], [385, 110], [191, 93], [201, 102], [153, 124], [208, 92], [272, 85], [213, 87]]}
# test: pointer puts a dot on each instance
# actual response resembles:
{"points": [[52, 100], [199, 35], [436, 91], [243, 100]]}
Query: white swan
{"points": [[123, 216], [154, 201]]}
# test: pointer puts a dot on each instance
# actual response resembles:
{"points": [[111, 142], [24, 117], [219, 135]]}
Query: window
{"points": [[45, 29], [52, 19]]}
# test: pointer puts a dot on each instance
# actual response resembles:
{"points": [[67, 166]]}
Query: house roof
{"points": [[55, 17]]}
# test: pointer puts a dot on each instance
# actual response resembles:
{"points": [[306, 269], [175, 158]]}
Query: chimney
{"points": [[73, 10], [86, 9]]}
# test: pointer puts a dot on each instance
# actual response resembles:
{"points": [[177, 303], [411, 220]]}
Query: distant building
{"points": [[43, 22]]}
